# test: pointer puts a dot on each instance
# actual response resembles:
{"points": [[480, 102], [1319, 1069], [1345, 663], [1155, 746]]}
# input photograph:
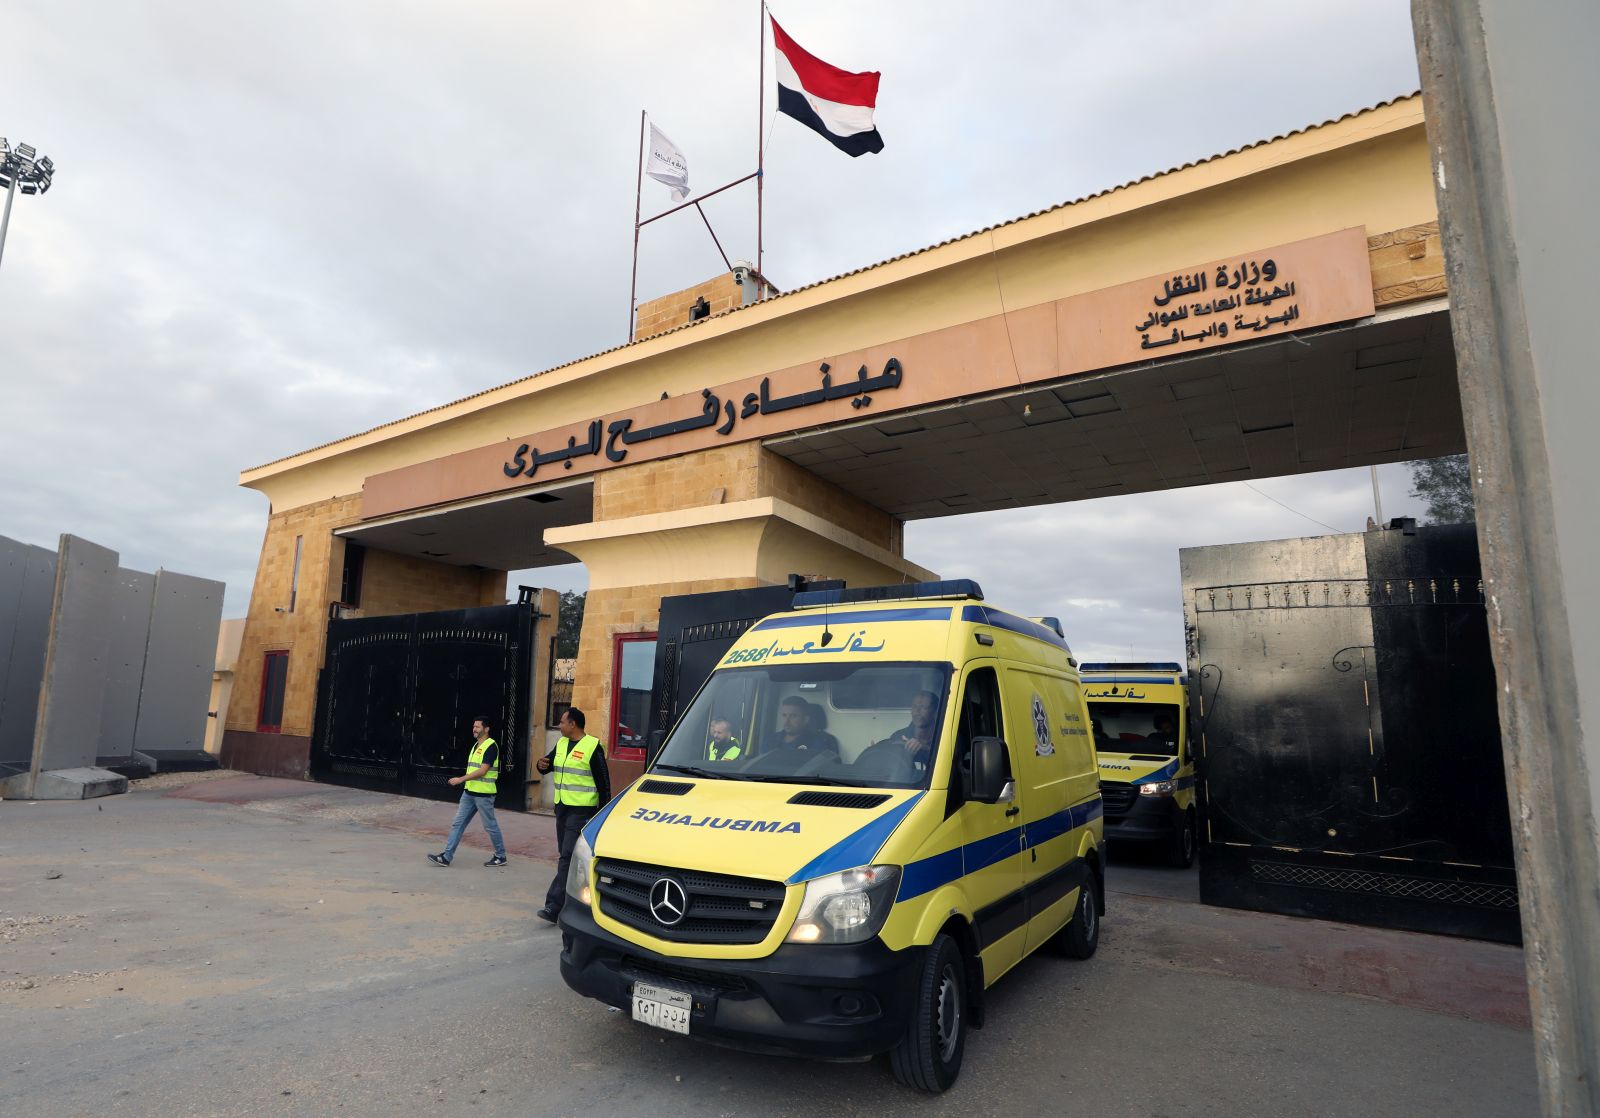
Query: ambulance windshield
{"points": [[860, 725], [1134, 727]]}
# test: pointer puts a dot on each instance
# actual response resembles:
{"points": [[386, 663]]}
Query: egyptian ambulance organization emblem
{"points": [[1042, 745]]}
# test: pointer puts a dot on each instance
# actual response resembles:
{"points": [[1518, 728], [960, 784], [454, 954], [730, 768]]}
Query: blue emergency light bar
{"points": [[1144, 667], [948, 588]]}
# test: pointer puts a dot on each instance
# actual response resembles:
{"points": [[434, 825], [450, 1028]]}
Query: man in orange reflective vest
{"points": [[477, 797], [582, 785]]}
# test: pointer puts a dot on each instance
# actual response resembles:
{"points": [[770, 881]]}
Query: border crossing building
{"points": [[1274, 310]]}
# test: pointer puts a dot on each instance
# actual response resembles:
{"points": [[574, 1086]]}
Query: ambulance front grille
{"points": [[1118, 798], [721, 908]]}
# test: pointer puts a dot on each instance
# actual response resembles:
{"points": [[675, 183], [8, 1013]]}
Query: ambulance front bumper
{"points": [[828, 1002], [1147, 819]]}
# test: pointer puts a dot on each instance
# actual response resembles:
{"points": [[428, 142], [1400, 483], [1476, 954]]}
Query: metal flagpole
{"points": [[638, 189], [761, 113]]}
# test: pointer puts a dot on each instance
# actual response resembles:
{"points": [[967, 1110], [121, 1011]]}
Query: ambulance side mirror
{"points": [[991, 770]]}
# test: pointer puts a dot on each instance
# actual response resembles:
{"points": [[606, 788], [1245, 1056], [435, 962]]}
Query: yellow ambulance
{"points": [[1140, 715], [916, 810]]}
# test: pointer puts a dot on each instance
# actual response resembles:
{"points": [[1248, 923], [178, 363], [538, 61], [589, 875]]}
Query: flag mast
{"points": [[638, 189], [761, 114]]}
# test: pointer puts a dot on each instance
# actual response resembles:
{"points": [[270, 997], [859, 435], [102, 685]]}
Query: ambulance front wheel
{"points": [[928, 1057], [1180, 848]]}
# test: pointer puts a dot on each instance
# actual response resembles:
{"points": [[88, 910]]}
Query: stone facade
{"points": [[657, 316], [1407, 264]]}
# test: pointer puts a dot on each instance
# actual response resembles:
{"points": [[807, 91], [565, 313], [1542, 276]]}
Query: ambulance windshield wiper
{"points": [[690, 770]]}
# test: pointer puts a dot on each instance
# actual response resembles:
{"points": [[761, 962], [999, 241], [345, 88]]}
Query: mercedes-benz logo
{"points": [[668, 902]]}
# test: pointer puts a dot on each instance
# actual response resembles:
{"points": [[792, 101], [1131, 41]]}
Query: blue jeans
{"points": [[471, 804]]}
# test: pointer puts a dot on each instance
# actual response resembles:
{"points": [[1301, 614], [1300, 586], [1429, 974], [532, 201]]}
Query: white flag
{"points": [[667, 164]]}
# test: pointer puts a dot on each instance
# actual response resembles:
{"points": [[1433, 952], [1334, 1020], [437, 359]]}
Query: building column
{"points": [[669, 546]]}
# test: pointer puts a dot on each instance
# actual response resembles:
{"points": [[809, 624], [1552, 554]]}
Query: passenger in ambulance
{"points": [[796, 729], [906, 751], [1102, 741], [722, 746], [1166, 731]]}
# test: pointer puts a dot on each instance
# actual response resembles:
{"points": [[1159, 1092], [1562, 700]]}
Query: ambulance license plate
{"points": [[662, 1007]]}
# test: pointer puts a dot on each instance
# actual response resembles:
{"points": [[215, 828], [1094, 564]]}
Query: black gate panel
{"points": [[398, 695], [1349, 746]]}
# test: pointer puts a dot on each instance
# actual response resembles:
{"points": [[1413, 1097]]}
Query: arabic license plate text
{"points": [[661, 1007]]}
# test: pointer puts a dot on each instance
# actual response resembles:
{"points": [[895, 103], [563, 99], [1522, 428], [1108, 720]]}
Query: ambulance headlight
{"points": [[1156, 788], [578, 873], [847, 907]]}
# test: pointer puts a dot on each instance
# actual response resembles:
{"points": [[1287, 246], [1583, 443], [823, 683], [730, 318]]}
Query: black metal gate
{"points": [[1349, 739], [397, 697]]}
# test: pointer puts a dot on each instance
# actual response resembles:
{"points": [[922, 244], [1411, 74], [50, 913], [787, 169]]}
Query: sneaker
{"points": [[548, 914], [439, 860], [497, 860]]}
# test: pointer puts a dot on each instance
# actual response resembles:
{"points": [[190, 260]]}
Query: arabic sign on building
{"points": [[714, 412], [1253, 295]]}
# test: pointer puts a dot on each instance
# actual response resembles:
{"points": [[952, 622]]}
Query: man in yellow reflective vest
{"points": [[723, 746], [582, 785], [477, 796]]}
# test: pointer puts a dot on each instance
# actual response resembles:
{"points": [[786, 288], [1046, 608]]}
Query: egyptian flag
{"points": [[834, 103]]}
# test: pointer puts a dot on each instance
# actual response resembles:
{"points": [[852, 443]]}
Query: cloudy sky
{"points": [[276, 224]]}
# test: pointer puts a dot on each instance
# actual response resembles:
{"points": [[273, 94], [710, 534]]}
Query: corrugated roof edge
{"points": [[1395, 100]]}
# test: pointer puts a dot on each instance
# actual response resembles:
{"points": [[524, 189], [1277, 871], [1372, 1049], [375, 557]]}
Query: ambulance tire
{"points": [[1180, 848], [1082, 934], [929, 1056]]}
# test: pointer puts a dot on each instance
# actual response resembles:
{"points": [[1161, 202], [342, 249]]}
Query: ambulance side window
{"points": [[979, 716]]}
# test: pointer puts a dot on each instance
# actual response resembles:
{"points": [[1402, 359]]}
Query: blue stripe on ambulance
{"points": [[999, 619], [856, 849], [1165, 772], [927, 874], [592, 828], [850, 617]]}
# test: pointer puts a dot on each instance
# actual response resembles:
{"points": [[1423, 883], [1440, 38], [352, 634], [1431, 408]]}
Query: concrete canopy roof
{"points": [[1380, 391], [504, 533]]}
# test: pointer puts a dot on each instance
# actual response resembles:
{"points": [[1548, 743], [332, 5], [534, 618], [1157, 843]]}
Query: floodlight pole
{"points": [[21, 164], [11, 192]]}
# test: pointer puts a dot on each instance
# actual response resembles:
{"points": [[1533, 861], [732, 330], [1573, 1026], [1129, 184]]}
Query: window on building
{"points": [[274, 681], [633, 667], [355, 557], [294, 575]]}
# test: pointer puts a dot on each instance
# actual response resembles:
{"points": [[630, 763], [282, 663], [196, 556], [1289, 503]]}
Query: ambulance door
{"points": [[990, 834], [1057, 772]]}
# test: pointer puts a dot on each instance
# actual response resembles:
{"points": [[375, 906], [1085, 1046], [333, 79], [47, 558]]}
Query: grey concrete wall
{"points": [[27, 581], [128, 623], [185, 616], [1541, 62], [1509, 92], [67, 735]]}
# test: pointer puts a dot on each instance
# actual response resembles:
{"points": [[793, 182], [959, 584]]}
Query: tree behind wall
{"points": [[569, 625], [1444, 485]]}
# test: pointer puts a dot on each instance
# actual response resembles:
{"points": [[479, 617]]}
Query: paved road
{"points": [[275, 957]]}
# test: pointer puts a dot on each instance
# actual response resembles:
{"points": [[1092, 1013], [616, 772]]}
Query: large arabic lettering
{"points": [[616, 437], [1237, 289]]}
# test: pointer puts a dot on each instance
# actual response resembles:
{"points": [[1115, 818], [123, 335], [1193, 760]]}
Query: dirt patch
{"points": [[14, 928], [163, 782]]}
